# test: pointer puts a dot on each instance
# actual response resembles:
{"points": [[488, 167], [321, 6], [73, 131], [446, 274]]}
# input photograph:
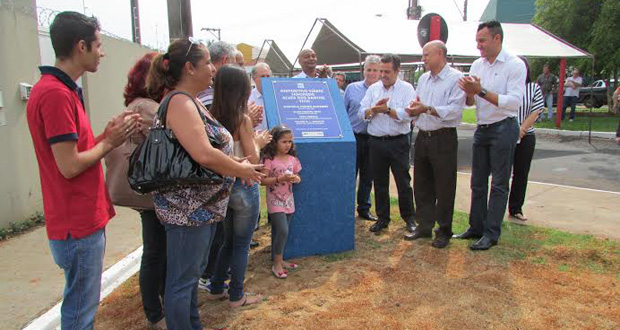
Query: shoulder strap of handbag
{"points": [[162, 112]]}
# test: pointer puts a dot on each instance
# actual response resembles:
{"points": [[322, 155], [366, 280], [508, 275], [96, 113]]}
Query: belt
{"points": [[436, 132], [497, 123], [388, 137]]}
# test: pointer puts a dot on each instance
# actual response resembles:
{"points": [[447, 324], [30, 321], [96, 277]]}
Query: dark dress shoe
{"points": [[467, 235], [366, 215], [410, 225], [440, 242], [484, 243], [378, 226], [417, 234]]}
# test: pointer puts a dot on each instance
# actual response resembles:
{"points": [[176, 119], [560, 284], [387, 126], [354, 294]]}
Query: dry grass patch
{"points": [[534, 279]]}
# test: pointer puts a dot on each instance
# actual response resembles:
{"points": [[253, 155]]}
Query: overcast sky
{"points": [[250, 21]]}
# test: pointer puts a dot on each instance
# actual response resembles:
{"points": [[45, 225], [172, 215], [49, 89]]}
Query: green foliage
{"points": [[591, 25], [15, 228]]}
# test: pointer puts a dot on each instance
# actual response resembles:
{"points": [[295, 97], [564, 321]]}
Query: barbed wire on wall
{"points": [[45, 17]]}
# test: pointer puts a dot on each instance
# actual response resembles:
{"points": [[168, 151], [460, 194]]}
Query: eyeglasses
{"points": [[192, 41]]}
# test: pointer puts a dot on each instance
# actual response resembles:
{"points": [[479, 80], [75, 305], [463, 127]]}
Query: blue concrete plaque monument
{"points": [[324, 220]]}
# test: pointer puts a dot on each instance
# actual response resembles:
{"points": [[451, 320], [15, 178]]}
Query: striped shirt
{"points": [[206, 97], [532, 101]]}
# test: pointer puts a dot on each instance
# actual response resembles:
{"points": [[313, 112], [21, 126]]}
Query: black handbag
{"points": [[161, 162]]}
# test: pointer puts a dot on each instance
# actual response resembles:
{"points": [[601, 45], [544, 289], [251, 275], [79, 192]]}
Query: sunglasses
{"points": [[192, 41]]}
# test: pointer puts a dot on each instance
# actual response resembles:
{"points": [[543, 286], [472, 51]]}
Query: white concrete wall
{"points": [[22, 49]]}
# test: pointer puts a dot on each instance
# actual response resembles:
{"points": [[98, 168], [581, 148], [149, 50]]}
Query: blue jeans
{"points": [[493, 152], [187, 252], [572, 102], [82, 261], [239, 225], [549, 103]]}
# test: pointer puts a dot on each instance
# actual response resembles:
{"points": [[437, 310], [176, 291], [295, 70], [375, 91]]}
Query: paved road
{"points": [[563, 160]]}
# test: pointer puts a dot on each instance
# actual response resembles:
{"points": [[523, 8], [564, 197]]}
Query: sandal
{"points": [[247, 299], [281, 275], [291, 265], [217, 296]]}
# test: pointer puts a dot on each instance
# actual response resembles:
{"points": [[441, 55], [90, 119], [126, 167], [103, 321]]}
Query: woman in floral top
{"points": [[189, 213]]}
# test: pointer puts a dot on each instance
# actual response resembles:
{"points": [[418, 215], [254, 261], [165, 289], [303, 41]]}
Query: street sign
{"points": [[432, 27]]}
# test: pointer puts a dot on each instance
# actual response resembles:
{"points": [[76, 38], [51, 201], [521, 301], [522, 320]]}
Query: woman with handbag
{"points": [[153, 264], [189, 205], [231, 92]]}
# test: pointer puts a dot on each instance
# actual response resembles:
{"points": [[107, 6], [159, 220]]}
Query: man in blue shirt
{"points": [[353, 95]]}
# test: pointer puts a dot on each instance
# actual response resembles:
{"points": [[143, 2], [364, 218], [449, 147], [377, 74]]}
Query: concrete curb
{"points": [[559, 132], [110, 280]]}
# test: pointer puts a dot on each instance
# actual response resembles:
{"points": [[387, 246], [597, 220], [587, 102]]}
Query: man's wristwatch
{"points": [[388, 111], [483, 92]]}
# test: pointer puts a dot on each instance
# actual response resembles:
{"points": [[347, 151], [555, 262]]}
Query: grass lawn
{"points": [[581, 122], [536, 278]]}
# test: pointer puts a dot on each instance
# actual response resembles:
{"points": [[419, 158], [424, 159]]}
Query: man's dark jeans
{"points": [[569, 101], [362, 167], [493, 151]]}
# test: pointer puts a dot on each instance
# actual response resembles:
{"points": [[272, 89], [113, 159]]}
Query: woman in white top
{"points": [[529, 111], [232, 90]]}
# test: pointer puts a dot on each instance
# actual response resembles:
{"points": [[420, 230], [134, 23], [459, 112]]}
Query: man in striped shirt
{"points": [[496, 85]]}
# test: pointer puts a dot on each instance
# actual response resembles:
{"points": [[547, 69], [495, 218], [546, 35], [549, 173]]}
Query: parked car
{"points": [[595, 95]]}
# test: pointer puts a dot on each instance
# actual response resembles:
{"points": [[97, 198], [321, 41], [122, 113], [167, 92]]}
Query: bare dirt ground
{"points": [[535, 279]]}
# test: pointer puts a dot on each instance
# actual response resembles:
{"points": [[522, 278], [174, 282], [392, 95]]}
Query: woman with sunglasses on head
{"points": [[189, 213]]}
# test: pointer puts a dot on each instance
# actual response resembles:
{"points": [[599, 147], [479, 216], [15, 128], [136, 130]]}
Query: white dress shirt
{"points": [[442, 92], [506, 78], [257, 98], [303, 75], [400, 96]]}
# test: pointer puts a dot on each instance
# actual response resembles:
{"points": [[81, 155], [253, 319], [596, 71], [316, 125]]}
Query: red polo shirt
{"points": [[79, 206]]}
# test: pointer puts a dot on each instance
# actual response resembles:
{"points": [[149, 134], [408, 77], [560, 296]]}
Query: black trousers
{"points": [[434, 179], [392, 154], [153, 266], [524, 152], [362, 167]]}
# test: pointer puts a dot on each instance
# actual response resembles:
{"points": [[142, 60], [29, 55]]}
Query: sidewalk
{"points": [[572, 209], [32, 283], [560, 132]]}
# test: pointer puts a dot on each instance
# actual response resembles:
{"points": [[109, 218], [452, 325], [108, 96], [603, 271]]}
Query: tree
{"points": [[592, 25]]}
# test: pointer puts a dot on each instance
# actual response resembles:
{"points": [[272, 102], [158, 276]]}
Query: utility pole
{"points": [[414, 11], [465, 11], [179, 19], [211, 30], [135, 22]]}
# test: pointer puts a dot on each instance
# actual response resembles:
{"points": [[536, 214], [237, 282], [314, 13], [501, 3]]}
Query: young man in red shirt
{"points": [[75, 200]]}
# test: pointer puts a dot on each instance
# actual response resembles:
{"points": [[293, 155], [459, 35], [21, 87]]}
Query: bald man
{"points": [[307, 61], [438, 110]]}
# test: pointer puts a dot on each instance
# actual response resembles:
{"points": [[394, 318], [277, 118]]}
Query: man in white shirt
{"points": [[438, 110], [307, 61], [389, 127], [571, 93], [496, 85], [260, 70]]}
